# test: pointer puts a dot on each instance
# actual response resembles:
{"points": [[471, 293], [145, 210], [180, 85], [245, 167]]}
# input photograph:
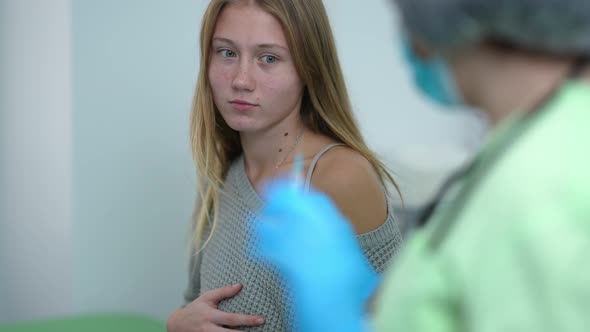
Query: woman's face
{"points": [[253, 78]]}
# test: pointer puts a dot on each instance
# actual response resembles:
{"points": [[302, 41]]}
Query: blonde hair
{"points": [[325, 107]]}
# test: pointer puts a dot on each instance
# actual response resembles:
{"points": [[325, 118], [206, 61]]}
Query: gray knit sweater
{"points": [[226, 259]]}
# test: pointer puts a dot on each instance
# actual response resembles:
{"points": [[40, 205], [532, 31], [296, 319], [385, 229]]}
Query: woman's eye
{"points": [[269, 59], [227, 53]]}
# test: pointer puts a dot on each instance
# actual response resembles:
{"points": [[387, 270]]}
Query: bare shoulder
{"points": [[353, 184]]}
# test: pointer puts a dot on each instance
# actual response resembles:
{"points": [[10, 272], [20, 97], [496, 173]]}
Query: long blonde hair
{"points": [[325, 107]]}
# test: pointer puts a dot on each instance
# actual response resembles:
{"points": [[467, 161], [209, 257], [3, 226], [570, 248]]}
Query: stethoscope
{"points": [[477, 170]]}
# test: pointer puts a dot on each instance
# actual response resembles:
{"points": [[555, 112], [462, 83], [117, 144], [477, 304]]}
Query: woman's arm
{"points": [[353, 185]]}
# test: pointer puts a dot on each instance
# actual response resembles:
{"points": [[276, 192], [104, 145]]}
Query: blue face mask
{"points": [[434, 77]]}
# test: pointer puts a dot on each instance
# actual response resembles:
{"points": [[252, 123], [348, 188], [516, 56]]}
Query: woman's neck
{"points": [[264, 150]]}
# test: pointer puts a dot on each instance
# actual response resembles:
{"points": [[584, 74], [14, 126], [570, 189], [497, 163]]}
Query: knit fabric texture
{"points": [[227, 258]]}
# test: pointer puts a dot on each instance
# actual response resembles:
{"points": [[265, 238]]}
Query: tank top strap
{"points": [[314, 162]]}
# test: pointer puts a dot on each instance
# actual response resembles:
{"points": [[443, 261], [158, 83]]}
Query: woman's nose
{"points": [[244, 79]]}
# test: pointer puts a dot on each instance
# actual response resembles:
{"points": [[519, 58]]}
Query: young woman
{"points": [[270, 88]]}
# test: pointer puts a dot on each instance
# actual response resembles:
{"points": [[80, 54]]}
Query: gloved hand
{"points": [[314, 248]]}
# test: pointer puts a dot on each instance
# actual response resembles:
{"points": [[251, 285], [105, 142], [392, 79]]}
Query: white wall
{"points": [[35, 159], [135, 64]]}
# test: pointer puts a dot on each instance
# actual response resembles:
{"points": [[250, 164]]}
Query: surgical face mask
{"points": [[434, 77]]}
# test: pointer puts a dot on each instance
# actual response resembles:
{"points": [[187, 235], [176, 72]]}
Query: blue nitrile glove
{"points": [[314, 248]]}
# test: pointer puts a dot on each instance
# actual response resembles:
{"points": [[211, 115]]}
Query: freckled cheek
{"points": [[220, 78], [268, 86], [280, 91]]}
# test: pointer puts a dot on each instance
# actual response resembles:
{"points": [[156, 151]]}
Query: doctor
{"points": [[508, 250]]}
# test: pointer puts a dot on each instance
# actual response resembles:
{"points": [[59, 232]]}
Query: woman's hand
{"points": [[203, 315]]}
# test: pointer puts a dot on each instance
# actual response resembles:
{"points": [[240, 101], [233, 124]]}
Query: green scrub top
{"points": [[516, 256]]}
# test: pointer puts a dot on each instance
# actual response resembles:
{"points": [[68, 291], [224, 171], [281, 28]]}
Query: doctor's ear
{"points": [[420, 48]]}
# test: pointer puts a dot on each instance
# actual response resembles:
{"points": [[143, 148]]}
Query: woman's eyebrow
{"points": [[259, 46]]}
